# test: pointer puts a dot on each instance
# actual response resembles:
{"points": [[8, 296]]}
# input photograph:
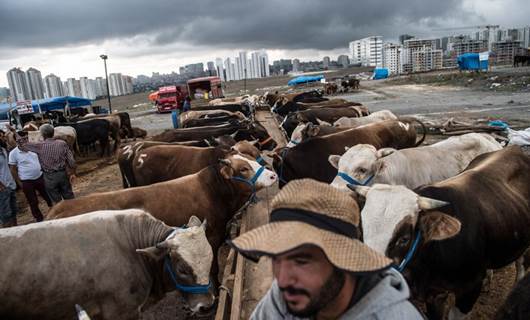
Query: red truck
{"points": [[170, 98]]}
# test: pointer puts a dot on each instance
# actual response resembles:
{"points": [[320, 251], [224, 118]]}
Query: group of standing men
{"points": [[46, 167]]}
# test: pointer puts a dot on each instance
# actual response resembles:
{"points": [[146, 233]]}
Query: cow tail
{"points": [[411, 120]]}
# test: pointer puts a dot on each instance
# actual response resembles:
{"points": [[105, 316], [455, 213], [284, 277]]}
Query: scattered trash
{"points": [[498, 123], [495, 85]]}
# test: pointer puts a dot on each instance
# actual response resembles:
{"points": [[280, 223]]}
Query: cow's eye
{"points": [[403, 241], [244, 169]]}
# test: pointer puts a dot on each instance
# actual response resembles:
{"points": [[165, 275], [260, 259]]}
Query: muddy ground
{"points": [[427, 101]]}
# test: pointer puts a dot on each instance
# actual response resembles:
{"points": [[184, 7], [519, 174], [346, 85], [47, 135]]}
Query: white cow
{"points": [[66, 133], [377, 116], [113, 263], [410, 167]]}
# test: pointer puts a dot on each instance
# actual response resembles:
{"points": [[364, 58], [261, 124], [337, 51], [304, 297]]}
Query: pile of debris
{"points": [[452, 127]]}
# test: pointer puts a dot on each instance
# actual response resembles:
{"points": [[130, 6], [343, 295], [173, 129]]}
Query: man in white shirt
{"points": [[8, 199], [27, 172]]}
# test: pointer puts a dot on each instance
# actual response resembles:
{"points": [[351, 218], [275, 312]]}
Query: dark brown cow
{"points": [[214, 194], [329, 115], [309, 159], [330, 88], [517, 304], [308, 130], [461, 227], [167, 162], [290, 106]]}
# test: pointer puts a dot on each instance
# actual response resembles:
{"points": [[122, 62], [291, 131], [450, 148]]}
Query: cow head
{"points": [[302, 132], [249, 149], [256, 131], [393, 215], [238, 168], [189, 255], [361, 162]]}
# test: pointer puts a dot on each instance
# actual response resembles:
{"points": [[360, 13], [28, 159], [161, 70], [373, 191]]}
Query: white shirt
{"points": [[27, 163]]}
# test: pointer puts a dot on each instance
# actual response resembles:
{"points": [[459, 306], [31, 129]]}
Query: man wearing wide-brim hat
{"points": [[321, 268]]}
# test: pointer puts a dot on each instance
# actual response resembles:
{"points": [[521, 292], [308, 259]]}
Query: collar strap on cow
{"points": [[261, 161], [264, 142], [410, 253], [195, 289], [294, 142], [318, 220], [352, 181], [252, 181]]}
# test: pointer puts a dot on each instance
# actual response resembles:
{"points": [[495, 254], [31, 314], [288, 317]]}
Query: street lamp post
{"points": [[104, 57]]}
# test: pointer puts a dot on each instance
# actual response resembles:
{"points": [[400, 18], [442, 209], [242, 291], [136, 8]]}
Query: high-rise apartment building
{"points": [[34, 83], [211, 68], [296, 65], [420, 55], [343, 60], [116, 84], [18, 86], [219, 68], [325, 62], [367, 51], [53, 87], [392, 57]]}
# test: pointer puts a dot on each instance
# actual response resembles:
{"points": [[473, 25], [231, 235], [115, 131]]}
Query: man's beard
{"points": [[329, 291]]}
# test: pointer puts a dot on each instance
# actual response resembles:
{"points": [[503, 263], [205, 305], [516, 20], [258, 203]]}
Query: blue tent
{"points": [[59, 103], [304, 79], [4, 108], [471, 61], [380, 74]]}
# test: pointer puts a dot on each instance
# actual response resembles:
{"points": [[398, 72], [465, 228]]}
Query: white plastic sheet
{"points": [[520, 138]]}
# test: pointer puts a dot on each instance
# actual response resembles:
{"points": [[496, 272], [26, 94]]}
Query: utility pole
{"points": [[245, 81], [104, 57]]}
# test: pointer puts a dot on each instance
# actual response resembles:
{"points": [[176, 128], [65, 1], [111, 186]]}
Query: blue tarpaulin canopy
{"points": [[58, 103], [4, 108], [471, 61], [381, 73], [304, 79]]}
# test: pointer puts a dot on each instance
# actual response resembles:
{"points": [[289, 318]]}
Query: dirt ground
{"points": [[430, 102]]}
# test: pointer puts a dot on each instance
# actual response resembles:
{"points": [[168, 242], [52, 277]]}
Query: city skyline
{"points": [[144, 37]]}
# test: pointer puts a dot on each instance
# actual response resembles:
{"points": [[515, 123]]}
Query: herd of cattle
{"points": [[459, 207]]}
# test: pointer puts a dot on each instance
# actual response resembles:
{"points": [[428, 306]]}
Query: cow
{"points": [[350, 83], [308, 130], [127, 154], [346, 122], [210, 121], [290, 106], [309, 159], [90, 131], [215, 193], [447, 234], [138, 133], [115, 126], [167, 162], [240, 130], [363, 164], [517, 304], [113, 263], [246, 108], [330, 88], [66, 133], [313, 115], [194, 115]]}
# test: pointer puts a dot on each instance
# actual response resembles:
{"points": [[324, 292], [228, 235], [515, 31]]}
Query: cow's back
{"points": [[491, 198], [49, 267]]}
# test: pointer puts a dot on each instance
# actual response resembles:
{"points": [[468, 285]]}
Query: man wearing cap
{"points": [[321, 269]]}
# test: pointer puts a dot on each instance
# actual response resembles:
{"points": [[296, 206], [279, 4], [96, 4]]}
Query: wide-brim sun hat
{"points": [[307, 212]]}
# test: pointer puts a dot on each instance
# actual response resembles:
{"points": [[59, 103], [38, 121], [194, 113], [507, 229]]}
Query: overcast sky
{"points": [[66, 37]]}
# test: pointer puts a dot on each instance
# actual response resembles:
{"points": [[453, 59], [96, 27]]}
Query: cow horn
{"points": [[425, 203], [226, 162], [360, 190]]}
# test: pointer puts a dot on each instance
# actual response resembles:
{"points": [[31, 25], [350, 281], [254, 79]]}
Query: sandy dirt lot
{"points": [[429, 102]]}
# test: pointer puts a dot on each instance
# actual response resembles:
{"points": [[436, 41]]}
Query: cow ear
{"points": [[381, 153], [437, 225], [312, 131], [194, 222], [334, 160], [153, 252], [227, 172]]}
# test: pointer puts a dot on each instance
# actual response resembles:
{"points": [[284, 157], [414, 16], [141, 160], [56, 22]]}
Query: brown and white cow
{"points": [[378, 116], [167, 162], [309, 159], [363, 164], [110, 262], [215, 193], [308, 130], [454, 230]]}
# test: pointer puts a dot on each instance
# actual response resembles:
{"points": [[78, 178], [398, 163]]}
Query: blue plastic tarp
{"points": [[381, 73], [471, 61], [4, 108], [58, 103], [304, 79]]}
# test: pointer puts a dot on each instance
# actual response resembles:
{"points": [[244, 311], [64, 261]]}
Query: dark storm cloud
{"points": [[284, 24]]}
